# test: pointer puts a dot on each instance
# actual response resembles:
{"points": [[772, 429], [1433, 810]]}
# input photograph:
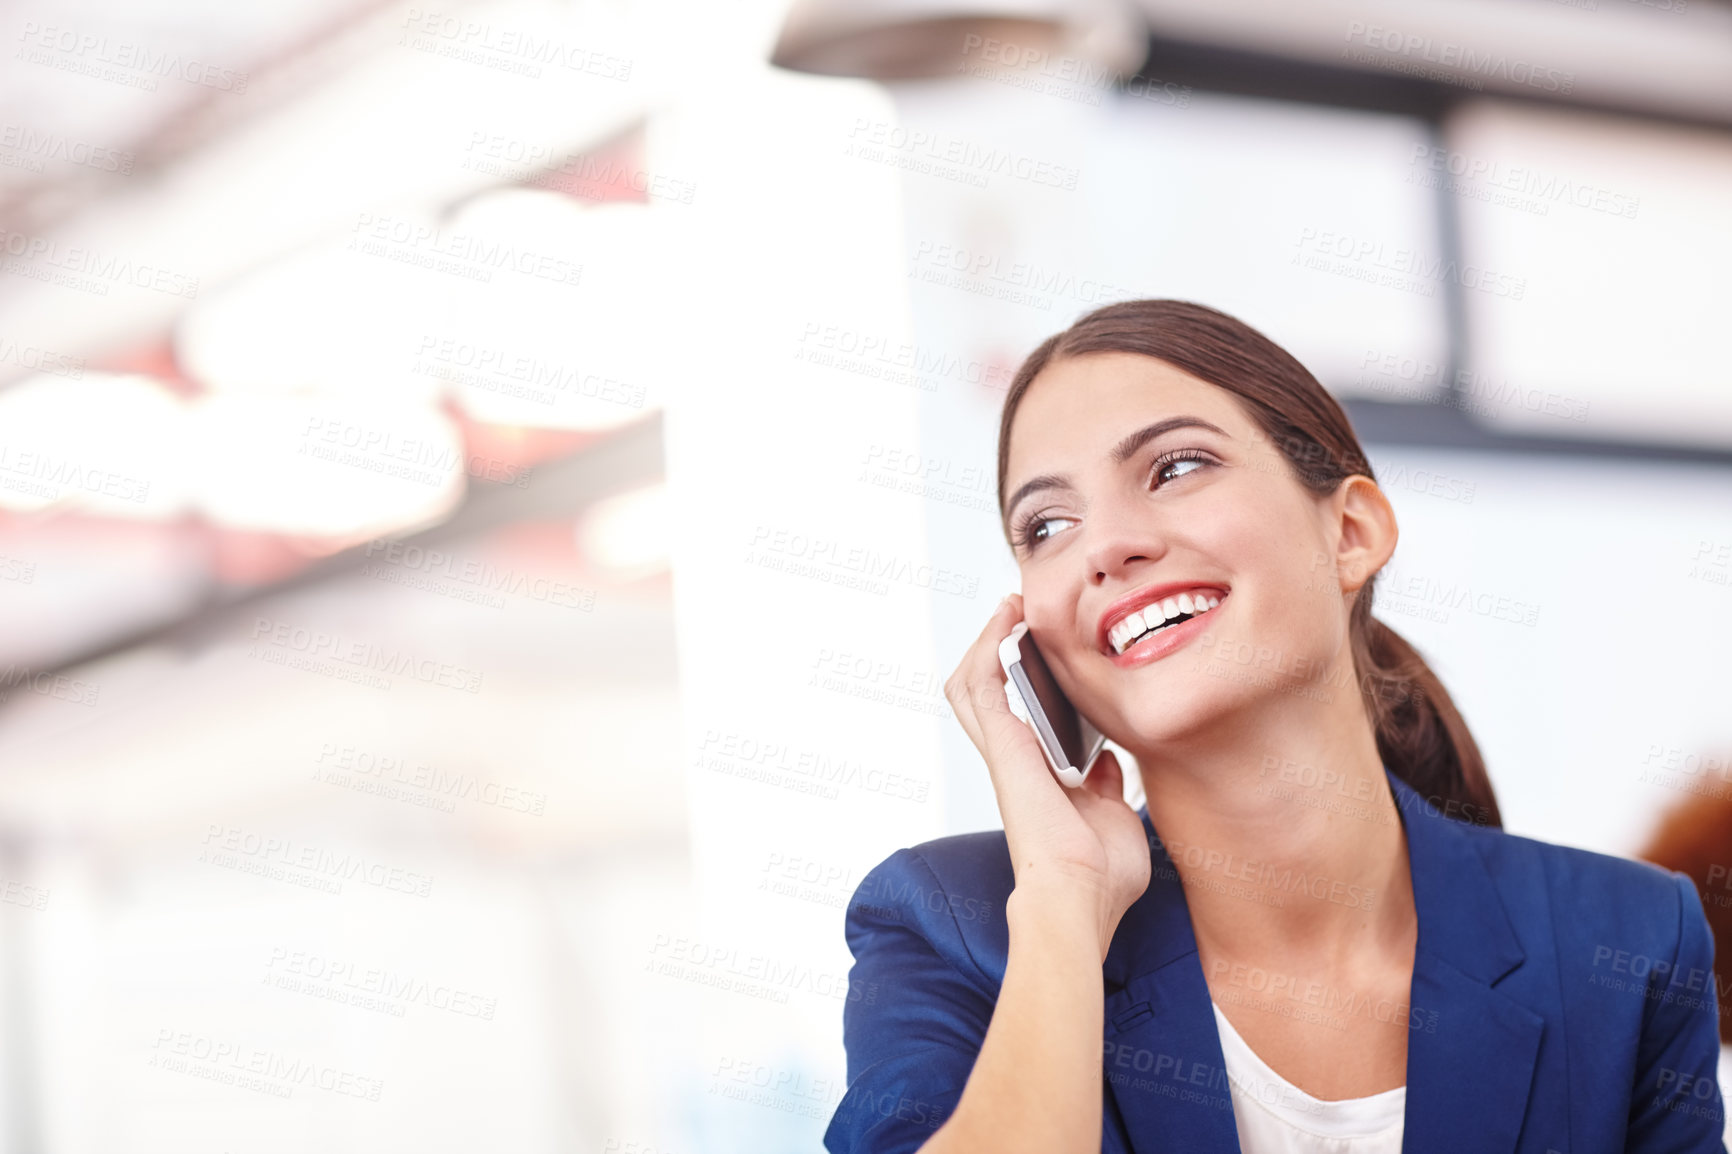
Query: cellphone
{"points": [[1069, 740]]}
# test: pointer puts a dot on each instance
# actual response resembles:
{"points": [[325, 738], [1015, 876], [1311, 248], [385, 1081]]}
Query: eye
{"points": [[1032, 530], [1171, 466]]}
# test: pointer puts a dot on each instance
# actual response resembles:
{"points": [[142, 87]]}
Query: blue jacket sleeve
{"points": [[1676, 1105], [922, 1009]]}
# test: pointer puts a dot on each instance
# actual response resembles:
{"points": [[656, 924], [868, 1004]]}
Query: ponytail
{"points": [[1420, 734]]}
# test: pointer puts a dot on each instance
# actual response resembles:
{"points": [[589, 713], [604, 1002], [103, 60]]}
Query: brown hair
{"points": [[1420, 734]]}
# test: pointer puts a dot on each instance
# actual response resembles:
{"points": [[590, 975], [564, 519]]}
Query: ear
{"points": [[1367, 531]]}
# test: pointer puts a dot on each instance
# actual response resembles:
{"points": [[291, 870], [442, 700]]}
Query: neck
{"points": [[1285, 834]]}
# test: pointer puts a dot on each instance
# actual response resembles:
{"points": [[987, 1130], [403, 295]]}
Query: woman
{"points": [[1329, 945]]}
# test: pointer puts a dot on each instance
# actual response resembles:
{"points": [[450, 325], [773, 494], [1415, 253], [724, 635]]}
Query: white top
{"points": [[1726, 1087], [1276, 1117]]}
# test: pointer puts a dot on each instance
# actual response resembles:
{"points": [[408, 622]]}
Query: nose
{"points": [[1122, 544]]}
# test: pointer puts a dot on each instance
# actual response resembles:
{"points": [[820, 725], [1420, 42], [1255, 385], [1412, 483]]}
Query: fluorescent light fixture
{"points": [[323, 466], [565, 333], [348, 317], [106, 444], [627, 532]]}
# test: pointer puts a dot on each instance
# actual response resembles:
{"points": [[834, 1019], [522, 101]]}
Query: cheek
{"points": [[1049, 589], [1049, 608], [1276, 551], [1049, 619], [1287, 603]]}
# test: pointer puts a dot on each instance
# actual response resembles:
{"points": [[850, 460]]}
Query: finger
{"points": [[1000, 728], [979, 671], [979, 674], [1008, 738], [1021, 779]]}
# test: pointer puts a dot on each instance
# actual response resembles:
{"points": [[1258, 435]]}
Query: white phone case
{"points": [[1009, 655]]}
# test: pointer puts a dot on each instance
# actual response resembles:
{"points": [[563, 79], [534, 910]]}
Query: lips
{"points": [[1162, 603]]}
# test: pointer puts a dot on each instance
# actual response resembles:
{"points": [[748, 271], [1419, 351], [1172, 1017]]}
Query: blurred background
{"points": [[490, 494]]}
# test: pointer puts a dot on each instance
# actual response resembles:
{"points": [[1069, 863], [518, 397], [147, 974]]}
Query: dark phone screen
{"points": [[1060, 713]]}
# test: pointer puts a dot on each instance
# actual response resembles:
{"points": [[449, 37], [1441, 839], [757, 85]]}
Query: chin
{"points": [[1157, 719]]}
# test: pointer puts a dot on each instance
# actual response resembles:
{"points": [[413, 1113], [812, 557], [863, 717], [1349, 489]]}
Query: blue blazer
{"points": [[1562, 1001]]}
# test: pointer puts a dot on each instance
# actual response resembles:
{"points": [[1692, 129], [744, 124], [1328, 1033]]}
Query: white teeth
{"points": [[1127, 631], [1124, 631], [1154, 616]]}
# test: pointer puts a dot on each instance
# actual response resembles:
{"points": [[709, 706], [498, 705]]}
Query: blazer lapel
{"points": [[1468, 1080], [1471, 1049], [1161, 1055]]}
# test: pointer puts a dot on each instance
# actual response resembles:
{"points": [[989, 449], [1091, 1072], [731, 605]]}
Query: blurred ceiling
{"points": [[177, 68], [239, 155], [224, 360]]}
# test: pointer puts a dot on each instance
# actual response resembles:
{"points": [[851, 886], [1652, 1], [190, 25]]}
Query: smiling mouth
{"points": [[1154, 618]]}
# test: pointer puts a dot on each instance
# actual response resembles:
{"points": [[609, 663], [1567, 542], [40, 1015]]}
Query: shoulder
{"points": [[926, 927], [950, 891], [1585, 879], [1599, 908], [1616, 961]]}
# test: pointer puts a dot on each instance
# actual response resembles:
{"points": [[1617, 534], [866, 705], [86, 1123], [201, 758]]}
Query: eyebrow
{"points": [[1122, 452]]}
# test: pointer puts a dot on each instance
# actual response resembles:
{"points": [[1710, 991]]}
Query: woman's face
{"points": [[1132, 482]]}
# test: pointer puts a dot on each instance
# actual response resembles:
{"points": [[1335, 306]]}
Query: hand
{"points": [[1066, 845]]}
